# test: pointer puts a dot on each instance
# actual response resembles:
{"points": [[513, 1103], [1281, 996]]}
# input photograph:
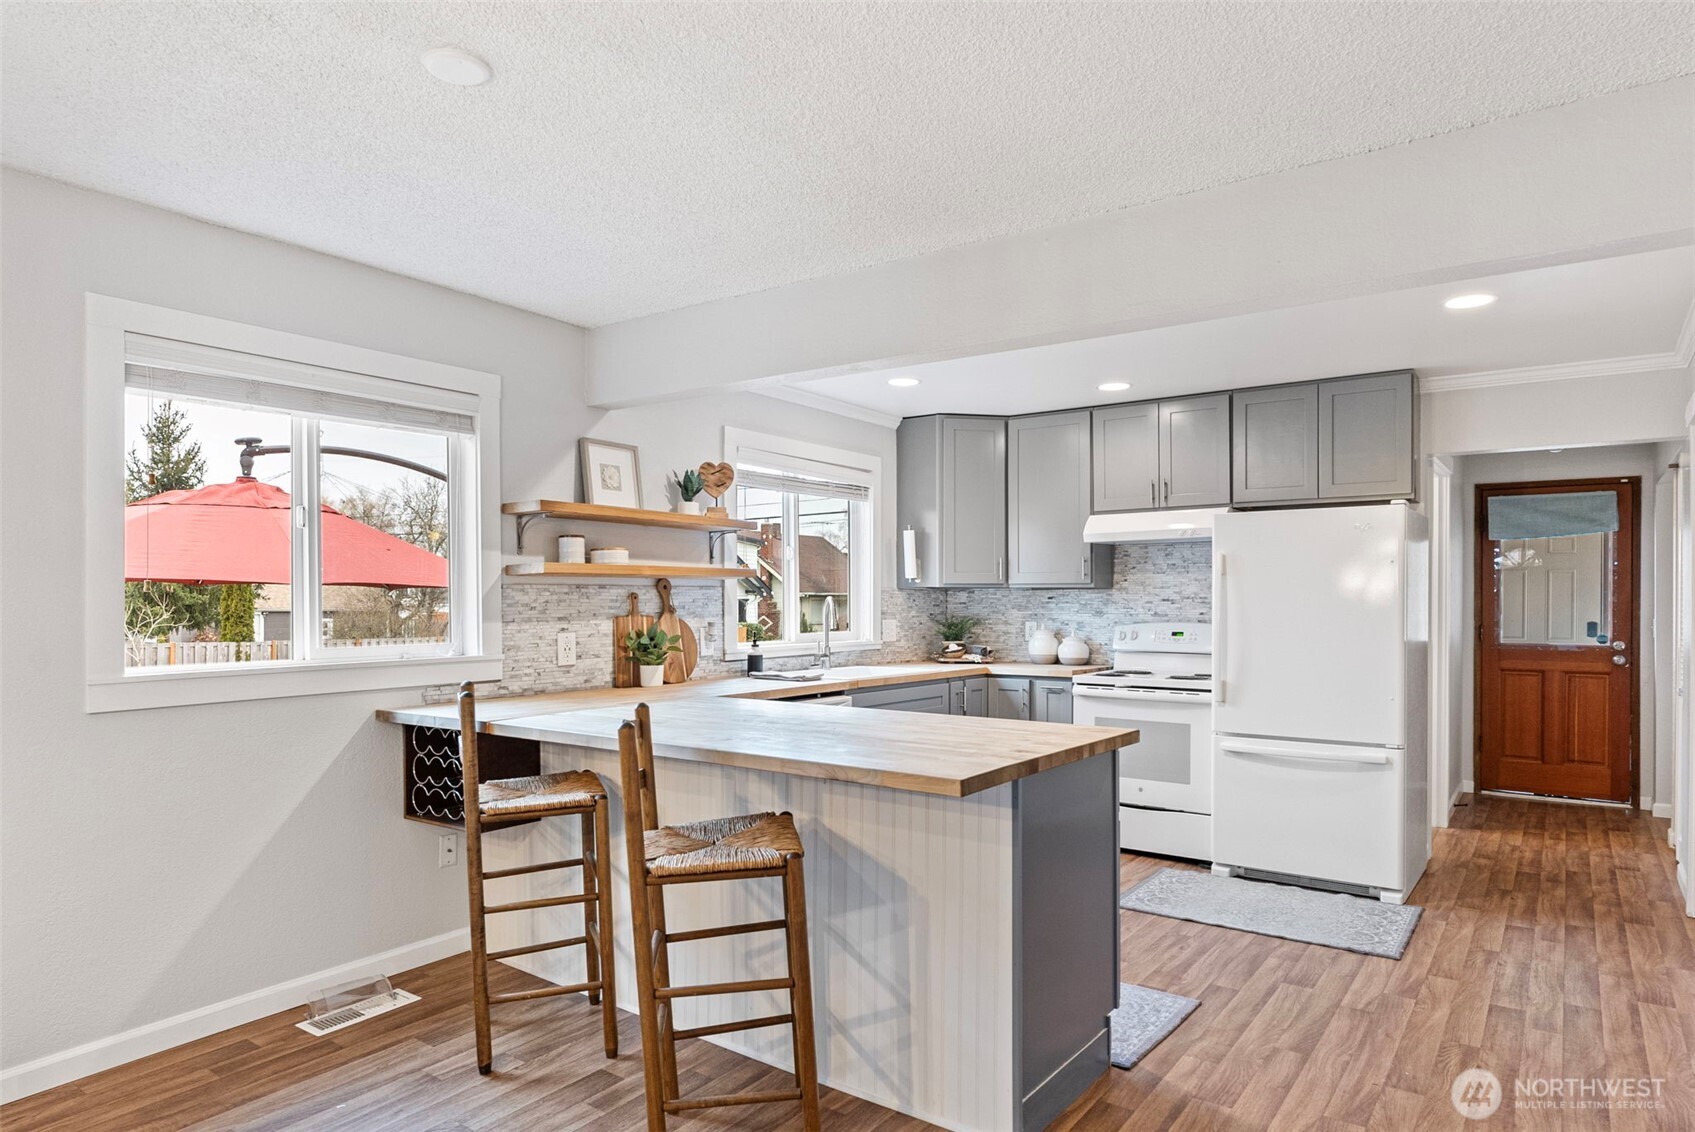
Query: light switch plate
{"points": [[567, 648]]}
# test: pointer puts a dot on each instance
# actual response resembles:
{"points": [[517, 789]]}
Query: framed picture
{"points": [[611, 473]]}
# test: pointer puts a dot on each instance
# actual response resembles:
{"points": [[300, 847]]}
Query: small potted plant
{"points": [[955, 629], [649, 648], [689, 486], [753, 632]]}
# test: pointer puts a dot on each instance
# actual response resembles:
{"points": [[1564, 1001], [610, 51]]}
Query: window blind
{"points": [[188, 371], [776, 479], [1555, 515]]}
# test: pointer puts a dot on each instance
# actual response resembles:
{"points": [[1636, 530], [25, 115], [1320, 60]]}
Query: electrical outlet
{"points": [[1029, 629], [891, 630], [567, 648], [447, 851]]}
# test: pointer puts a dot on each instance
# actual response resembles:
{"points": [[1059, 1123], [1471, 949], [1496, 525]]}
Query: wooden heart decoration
{"points": [[717, 478]]}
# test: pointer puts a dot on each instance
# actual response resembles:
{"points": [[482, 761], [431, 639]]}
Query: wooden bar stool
{"points": [[577, 793], [741, 848]]}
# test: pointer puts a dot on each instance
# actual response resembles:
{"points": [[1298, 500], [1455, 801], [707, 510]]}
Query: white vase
{"points": [[1073, 650], [652, 675], [1043, 645], [690, 507]]}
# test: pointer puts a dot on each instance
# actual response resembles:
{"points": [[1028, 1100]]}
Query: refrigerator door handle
{"points": [[1376, 758], [1221, 673]]}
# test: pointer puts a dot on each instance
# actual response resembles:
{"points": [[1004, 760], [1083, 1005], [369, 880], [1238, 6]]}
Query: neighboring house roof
{"points": [[823, 567]]}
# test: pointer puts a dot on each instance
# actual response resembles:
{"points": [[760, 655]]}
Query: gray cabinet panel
{"points": [[1009, 697], [1052, 701], [1194, 451], [970, 695], [973, 513], [1047, 460], [1365, 437], [1274, 445], [935, 698], [918, 498], [1126, 457]]}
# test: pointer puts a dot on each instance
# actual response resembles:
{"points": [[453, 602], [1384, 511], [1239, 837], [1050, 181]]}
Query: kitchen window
{"points": [[813, 550], [264, 524]]}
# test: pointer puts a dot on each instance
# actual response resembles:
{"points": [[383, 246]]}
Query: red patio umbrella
{"points": [[234, 533]]}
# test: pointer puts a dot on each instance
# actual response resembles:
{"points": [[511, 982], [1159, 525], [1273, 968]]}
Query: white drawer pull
{"points": [[1378, 758]]}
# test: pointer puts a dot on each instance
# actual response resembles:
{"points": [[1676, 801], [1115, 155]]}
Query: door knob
{"points": [[1618, 645], [1620, 660]]}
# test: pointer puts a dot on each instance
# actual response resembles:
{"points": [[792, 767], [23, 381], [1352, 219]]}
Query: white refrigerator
{"points": [[1320, 640]]}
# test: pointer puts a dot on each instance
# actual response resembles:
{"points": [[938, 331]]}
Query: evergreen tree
{"points": [[235, 613], [171, 462]]}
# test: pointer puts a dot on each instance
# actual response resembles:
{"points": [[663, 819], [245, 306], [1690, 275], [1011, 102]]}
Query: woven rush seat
{"points": [[504, 797], [721, 845]]}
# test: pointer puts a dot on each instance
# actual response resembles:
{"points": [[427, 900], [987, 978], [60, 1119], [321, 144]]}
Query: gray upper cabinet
{"points": [[1048, 503], [1274, 445], [1126, 457], [1163, 454], [1194, 451], [950, 488], [1009, 697], [1052, 701], [1365, 437]]}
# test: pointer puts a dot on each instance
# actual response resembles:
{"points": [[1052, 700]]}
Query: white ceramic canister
{"points": [[573, 548], [1043, 645], [1074, 649]]}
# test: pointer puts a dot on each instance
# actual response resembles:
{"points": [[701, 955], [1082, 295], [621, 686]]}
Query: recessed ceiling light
{"points": [[457, 66], [1113, 386], [1467, 302], [903, 382]]}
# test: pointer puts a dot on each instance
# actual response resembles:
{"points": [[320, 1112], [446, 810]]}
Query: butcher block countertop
{"points": [[731, 722]]}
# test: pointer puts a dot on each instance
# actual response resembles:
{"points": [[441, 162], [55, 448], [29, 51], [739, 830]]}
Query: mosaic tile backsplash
{"points": [[1151, 582]]}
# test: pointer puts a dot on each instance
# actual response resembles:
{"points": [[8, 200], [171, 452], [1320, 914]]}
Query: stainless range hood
{"points": [[1151, 526]]}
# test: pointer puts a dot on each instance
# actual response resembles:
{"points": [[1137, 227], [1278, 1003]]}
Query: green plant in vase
{"points": [[689, 486], [956, 629], [648, 648]]}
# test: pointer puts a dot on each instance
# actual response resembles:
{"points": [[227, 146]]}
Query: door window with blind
{"points": [[812, 552], [278, 513]]}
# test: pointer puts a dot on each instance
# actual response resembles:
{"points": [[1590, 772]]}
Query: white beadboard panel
{"points": [[909, 901]]}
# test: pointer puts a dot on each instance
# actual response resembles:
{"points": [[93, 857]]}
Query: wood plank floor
{"points": [[1553, 944]]}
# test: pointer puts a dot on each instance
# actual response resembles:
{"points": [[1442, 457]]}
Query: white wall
{"points": [[1642, 460], [1579, 412], [158, 861]]}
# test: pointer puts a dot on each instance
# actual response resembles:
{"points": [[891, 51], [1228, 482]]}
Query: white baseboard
{"points": [[1661, 809], [167, 1033], [1468, 787]]}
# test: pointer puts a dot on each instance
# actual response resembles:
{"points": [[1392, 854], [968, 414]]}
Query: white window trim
{"points": [[866, 572], [108, 320]]}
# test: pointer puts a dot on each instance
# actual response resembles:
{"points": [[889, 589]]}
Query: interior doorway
{"points": [[1556, 627]]}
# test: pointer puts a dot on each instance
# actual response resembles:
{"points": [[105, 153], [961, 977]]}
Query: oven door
{"points": [[1170, 768]]}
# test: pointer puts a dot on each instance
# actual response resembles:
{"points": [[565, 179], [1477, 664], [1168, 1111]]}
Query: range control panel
{"points": [[1163, 636]]}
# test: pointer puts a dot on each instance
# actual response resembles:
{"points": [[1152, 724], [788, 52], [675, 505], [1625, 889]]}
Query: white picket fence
{"points": [[152, 654]]}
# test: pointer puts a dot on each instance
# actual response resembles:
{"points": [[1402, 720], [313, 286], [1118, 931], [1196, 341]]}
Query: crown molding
{"points": [[1564, 371], [825, 404]]}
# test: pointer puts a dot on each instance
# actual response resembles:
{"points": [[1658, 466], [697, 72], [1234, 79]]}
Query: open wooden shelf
{"points": [[633, 516], [623, 570]]}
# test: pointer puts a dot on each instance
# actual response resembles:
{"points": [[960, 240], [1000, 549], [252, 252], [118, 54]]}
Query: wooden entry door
{"points": [[1556, 653]]}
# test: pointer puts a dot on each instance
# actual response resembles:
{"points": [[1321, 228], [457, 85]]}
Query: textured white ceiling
{"points": [[633, 158], [1621, 307]]}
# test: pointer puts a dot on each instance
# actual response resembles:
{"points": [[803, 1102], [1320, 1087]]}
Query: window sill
{"points": [[233, 684], [806, 648]]}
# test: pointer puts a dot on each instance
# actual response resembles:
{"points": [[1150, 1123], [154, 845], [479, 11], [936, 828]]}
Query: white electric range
{"points": [[1161, 685]]}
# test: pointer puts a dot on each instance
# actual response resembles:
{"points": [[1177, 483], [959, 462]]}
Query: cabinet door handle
{"points": [[1153, 493], [1083, 567], [1000, 569], [1168, 493]]}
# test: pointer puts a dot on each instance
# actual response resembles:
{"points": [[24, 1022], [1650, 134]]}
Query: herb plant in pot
{"points": [[689, 486], [955, 630], [649, 648], [754, 632]]}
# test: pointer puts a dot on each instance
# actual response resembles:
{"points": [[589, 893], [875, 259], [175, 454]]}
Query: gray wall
{"points": [[157, 861]]}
